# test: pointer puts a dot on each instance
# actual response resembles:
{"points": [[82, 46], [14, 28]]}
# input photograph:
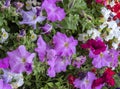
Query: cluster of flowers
{"points": [[12, 66], [58, 53], [102, 55]]}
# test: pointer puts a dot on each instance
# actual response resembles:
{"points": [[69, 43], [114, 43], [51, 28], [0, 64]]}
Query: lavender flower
{"points": [[7, 3], [19, 58], [64, 46], [4, 85], [86, 83], [41, 49], [31, 17], [54, 13], [57, 64]]}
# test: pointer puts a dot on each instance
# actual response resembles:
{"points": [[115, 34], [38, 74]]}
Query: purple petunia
{"points": [[4, 63], [21, 60], [4, 85], [41, 49], [100, 60], [57, 64], [32, 17], [64, 46], [54, 13], [47, 28], [107, 58]]}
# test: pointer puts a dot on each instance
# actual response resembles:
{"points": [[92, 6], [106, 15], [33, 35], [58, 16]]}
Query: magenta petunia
{"points": [[96, 46], [4, 63], [64, 46], [21, 60]]}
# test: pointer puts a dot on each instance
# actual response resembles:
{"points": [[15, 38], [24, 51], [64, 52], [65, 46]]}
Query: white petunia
{"points": [[4, 35]]}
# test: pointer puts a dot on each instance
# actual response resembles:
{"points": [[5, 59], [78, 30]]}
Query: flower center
{"points": [[87, 81], [101, 55], [4, 35], [34, 17], [66, 44], [23, 60]]}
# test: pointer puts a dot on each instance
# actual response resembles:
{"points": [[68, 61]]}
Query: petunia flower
{"points": [[107, 78], [9, 76], [57, 64], [4, 63], [96, 46], [64, 46], [86, 83], [41, 49], [19, 59], [4, 85], [32, 17], [54, 13], [103, 2], [4, 35]]}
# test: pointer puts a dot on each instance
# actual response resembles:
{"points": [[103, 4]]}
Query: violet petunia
{"points": [[32, 17], [113, 58], [41, 49], [4, 63], [4, 85], [64, 46], [56, 63], [19, 58], [47, 28], [100, 60], [86, 83], [54, 13]]}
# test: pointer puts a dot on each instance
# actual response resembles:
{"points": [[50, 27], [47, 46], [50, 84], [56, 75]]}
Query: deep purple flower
{"points": [[4, 63], [64, 46], [79, 61], [4, 85], [47, 28], [86, 83], [7, 3], [22, 33], [19, 58], [41, 48], [54, 13], [28, 67], [97, 46], [31, 17]]}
